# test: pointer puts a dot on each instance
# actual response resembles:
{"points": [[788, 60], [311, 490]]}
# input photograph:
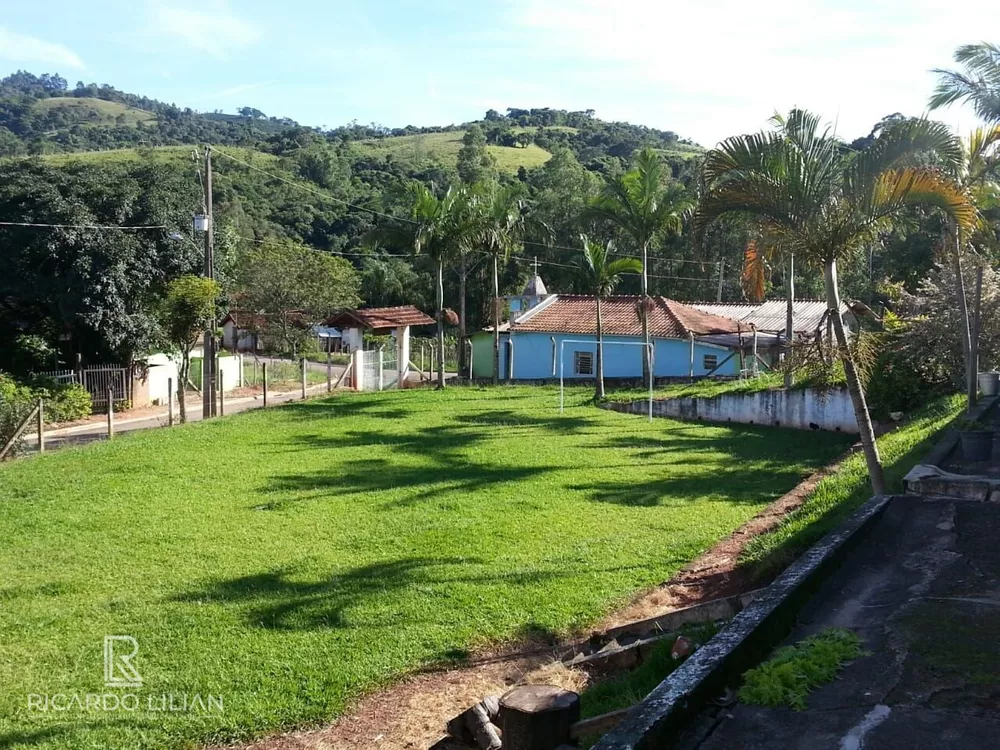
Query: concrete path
{"points": [[923, 592], [98, 430]]}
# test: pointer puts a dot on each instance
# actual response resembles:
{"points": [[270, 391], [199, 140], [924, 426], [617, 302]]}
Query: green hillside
{"points": [[443, 148], [95, 111], [173, 155]]}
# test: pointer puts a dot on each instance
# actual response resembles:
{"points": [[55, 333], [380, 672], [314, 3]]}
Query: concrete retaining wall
{"points": [[803, 409]]}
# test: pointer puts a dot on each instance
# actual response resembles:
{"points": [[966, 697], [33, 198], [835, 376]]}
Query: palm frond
{"points": [[978, 84], [910, 186], [752, 277]]}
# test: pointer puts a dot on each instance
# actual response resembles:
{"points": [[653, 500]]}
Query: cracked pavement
{"points": [[922, 589]]}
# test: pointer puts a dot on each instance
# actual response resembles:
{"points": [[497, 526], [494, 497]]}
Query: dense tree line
{"points": [[87, 293]]}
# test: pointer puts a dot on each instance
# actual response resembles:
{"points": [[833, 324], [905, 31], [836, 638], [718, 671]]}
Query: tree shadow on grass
{"points": [[749, 465], [276, 601], [412, 483], [741, 444], [508, 418], [25, 738], [760, 485]]}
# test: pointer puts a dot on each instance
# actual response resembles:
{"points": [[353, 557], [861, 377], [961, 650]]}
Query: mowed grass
{"points": [[443, 148], [292, 559], [97, 111]]}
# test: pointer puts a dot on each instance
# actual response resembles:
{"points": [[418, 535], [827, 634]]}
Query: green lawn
{"points": [[292, 559]]}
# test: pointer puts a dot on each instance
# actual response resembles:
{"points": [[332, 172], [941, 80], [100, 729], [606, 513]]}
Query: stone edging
{"points": [[750, 635]]}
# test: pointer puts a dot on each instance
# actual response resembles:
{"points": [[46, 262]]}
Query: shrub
{"points": [[64, 402], [16, 401]]}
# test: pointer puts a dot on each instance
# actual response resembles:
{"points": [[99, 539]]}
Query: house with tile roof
{"points": [[560, 334]]}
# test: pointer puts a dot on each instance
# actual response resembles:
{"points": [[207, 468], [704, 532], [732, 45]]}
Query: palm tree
{"points": [[501, 224], [601, 276], [820, 200], [643, 206], [430, 228], [978, 84], [977, 171]]}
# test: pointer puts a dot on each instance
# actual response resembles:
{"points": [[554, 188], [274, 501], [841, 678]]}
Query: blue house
{"points": [[559, 336]]}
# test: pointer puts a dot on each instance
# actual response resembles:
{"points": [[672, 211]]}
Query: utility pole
{"points": [[722, 267], [208, 394]]}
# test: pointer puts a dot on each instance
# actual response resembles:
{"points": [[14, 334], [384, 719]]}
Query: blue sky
{"points": [[703, 68]]}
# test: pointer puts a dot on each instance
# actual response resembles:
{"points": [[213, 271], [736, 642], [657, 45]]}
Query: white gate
{"points": [[380, 367], [390, 364]]}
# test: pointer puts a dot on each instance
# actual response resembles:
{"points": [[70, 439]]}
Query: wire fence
{"points": [[279, 373]]}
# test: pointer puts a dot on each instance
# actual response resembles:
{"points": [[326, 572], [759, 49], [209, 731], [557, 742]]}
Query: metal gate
{"points": [[390, 365], [100, 379], [380, 367]]}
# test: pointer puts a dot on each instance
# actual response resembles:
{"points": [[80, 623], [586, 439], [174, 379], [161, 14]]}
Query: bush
{"points": [[64, 402], [16, 402]]}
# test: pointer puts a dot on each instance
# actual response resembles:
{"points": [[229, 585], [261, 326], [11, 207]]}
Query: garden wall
{"points": [[804, 409]]}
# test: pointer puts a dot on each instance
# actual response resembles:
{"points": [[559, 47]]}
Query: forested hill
{"points": [[43, 115]]}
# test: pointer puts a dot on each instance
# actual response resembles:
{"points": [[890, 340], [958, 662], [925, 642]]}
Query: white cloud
{"points": [[711, 68], [22, 48], [241, 89], [217, 31]]}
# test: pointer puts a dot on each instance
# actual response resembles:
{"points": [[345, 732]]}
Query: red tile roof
{"points": [[380, 317], [574, 313]]}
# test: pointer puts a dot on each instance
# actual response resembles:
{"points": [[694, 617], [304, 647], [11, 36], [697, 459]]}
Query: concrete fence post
{"points": [[538, 717], [329, 369], [358, 370], [303, 365], [222, 396], [111, 413], [381, 371], [41, 426], [263, 380], [170, 402]]}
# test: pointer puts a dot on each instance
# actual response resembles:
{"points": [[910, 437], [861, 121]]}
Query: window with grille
{"points": [[583, 363], [710, 361]]}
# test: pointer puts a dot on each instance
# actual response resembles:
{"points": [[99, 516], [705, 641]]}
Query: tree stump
{"points": [[538, 717]]}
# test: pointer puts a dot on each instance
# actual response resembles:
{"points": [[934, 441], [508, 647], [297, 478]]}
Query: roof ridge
{"points": [[540, 306]]}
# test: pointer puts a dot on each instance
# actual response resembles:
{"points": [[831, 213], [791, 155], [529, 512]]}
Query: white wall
{"points": [[161, 369], [803, 409], [164, 366]]}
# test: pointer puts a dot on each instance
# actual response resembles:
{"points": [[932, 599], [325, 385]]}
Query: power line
{"points": [[566, 265], [83, 226], [577, 249], [300, 186]]}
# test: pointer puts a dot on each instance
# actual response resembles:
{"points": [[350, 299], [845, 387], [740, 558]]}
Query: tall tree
{"points": [[188, 309], [292, 288], [475, 163], [823, 201], [501, 224], [643, 205], [430, 229], [601, 275]]}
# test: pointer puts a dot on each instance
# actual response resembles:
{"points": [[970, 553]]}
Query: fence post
{"points": [[329, 370], [302, 366], [111, 413], [41, 426], [380, 371], [222, 397], [263, 379], [170, 402]]}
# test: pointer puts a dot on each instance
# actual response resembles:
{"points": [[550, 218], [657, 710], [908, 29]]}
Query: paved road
{"points": [[92, 431]]}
